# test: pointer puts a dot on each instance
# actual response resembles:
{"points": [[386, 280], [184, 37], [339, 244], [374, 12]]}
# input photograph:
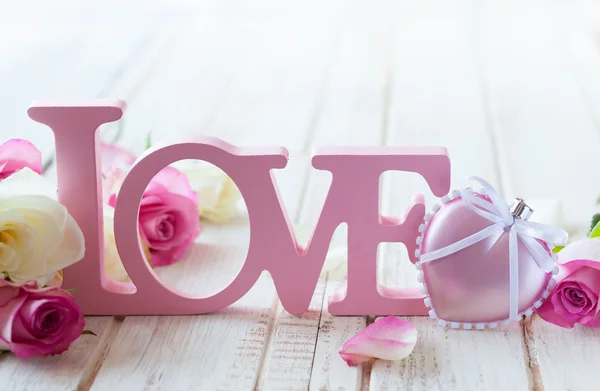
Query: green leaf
{"points": [[595, 232], [598, 201], [84, 332], [595, 220], [4, 351], [557, 249], [149, 140]]}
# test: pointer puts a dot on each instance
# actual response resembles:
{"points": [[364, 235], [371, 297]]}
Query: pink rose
{"points": [[38, 322], [169, 221], [16, 154], [114, 157], [575, 296], [389, 338]]}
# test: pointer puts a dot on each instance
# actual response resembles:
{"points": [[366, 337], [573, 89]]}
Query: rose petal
{"points": [[7, 293], [111, 182], [59, 239], [19, 326], [9, 311], [175, 181], [579, 263], [71, 249], [49, 238], [4, 345], [579, 301], [168, 179], [168, 198], [114, 157], [158, 202], [16, 154], [558, 303], [587, 279], [591, 320], [26, 182], [390, 338], [32, 286], [112, 261], [581, 249], [218, 196]]}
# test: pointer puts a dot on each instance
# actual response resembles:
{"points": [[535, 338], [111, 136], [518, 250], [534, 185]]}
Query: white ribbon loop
{"points": [[498, 212]]}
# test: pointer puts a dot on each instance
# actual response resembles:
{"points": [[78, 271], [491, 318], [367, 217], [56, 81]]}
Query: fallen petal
{"points": [[390, 338]]}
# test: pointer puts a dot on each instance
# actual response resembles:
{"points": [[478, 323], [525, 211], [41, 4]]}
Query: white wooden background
{"points": [[510, 87]]}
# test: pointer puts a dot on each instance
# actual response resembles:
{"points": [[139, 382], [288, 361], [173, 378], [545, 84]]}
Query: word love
{"points": [[353, 198]]}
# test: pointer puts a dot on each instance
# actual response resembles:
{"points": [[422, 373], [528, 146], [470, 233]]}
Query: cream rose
{"points": [[38, 237], [112, 261], [218, 196]]}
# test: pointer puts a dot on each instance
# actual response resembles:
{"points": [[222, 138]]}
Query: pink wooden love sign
{"points": [[353, 198]]}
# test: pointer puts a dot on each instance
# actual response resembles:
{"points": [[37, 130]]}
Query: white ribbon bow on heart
{"points": [[498, 212]]}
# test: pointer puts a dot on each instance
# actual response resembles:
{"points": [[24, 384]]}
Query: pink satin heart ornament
{"points": [[471, 287]]}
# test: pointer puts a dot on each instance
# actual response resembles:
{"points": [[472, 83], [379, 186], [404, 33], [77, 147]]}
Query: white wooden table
{"points": [[511, 88]]}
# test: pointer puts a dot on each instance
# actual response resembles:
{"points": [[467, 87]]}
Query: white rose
{"points": [[336, 260], [38, 237], [336, 263], [218, 196], [112, 261]]}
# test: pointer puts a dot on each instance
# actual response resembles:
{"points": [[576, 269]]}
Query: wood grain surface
{"points": [[511, 88]]}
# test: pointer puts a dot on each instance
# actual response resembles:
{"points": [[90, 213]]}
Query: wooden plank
{"points": [[358, 105], [62, 372], [562, 359], [209, 352], [100, 66], [289, 354], [436, 99], [129, 82], [349, 113], [455, 360], [291, 350], [56, 52], [231, 346], [246, 55], [329, 371], [220, 351], [292, 62], [533, 93], [543, 88], [460, 76]]}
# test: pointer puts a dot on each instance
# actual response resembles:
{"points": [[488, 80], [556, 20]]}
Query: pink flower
{"points": [[16, 154], [390, 338], [114, 157], [168, 217], [38, 322], [575, 296]]}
